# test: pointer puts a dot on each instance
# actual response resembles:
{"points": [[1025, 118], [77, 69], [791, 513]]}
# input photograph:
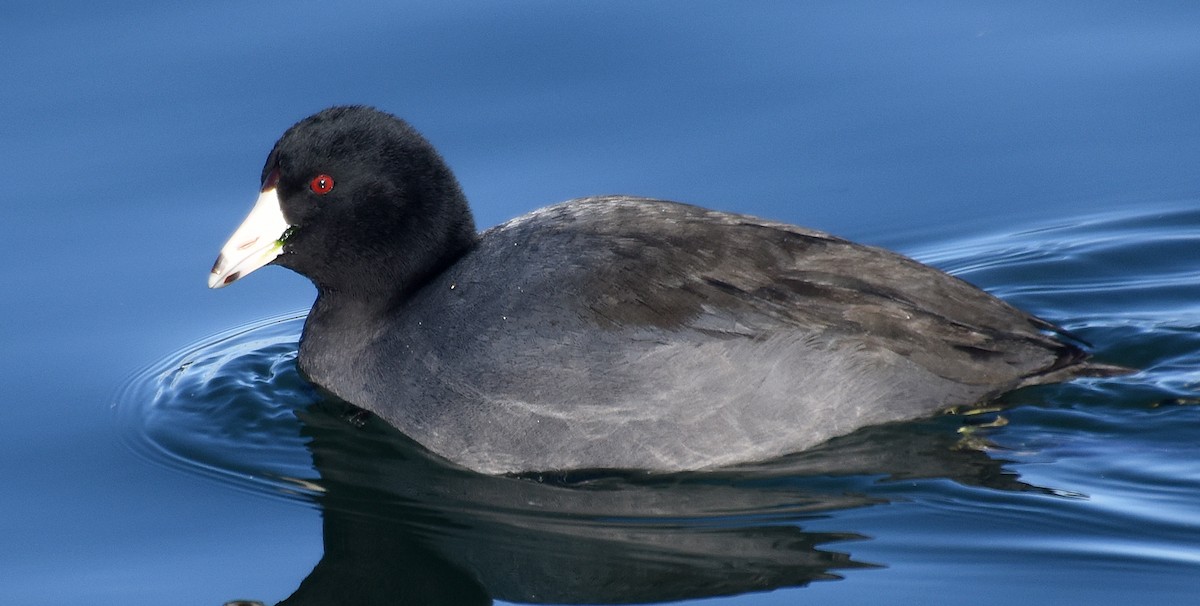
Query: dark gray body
{"points": [[631, 333]]}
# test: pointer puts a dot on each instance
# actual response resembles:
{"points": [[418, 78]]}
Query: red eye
{"points": [[321, 184]]}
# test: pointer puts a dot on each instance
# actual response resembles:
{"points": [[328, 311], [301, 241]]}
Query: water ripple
{"points": [[226, 407]]}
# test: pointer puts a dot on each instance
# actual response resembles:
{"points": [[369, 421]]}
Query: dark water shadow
{"points": [[401, 526]]}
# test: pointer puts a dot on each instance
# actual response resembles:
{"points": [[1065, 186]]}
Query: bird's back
{"points": [[632, 333]]}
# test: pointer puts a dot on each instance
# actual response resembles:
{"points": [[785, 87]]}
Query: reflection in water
{"points": [[401, 526]]}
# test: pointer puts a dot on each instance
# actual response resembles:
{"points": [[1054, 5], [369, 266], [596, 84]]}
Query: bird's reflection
{"points": [[403, 527]]}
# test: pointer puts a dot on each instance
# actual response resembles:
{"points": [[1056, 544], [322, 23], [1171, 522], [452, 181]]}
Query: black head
{"points": [[369, 209]]}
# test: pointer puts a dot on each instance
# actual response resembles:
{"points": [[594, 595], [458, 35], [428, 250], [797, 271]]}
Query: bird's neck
{"points": [[387, 268]]}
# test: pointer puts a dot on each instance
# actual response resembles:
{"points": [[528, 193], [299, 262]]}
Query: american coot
{"points": [[608, 332]]}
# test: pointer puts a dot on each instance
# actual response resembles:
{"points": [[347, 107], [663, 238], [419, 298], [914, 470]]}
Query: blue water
{"points": [[158, 447]]}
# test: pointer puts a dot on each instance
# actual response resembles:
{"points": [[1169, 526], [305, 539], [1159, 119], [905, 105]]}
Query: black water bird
{"points": [[609, 332]]}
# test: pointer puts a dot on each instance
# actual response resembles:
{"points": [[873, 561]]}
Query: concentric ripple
{"points": [[226, 407]]}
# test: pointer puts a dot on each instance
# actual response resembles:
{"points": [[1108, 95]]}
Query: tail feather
{"points": [[1074, 362]]}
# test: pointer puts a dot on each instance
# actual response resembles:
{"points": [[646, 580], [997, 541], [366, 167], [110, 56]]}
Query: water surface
{"points": [[158, 448]]}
